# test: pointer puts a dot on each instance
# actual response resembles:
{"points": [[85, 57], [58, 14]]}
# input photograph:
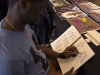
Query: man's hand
{"points": [[70, 72], [69, 51]]}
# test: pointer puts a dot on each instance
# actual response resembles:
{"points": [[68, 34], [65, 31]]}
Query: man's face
{"points": [[34, 12]]}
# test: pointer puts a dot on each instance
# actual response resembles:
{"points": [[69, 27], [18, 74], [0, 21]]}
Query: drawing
{"points": [[58, 41], [58, 46], [81, 57], [59, 50], [72, 37], [80, 45], [66, 41]]}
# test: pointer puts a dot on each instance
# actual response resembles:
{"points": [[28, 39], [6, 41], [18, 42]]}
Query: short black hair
{"points": [[12, 2]]}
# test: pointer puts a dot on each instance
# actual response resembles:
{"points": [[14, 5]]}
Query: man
{"points": [[19, 51]]}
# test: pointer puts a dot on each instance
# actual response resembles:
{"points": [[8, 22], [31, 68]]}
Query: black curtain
{"points": [[3, 9]]}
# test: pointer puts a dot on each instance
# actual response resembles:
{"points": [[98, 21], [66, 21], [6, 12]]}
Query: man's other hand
{"points": [[70, 72]]}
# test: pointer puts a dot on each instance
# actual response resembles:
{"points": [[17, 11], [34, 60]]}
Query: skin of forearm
{"points": [[49, 52]]}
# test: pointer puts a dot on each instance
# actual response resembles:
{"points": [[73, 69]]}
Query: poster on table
{"points": [[95, 14], [59, 2], [69, 7], [79, 1], [87, 6], [84, 24], [71, 14]]}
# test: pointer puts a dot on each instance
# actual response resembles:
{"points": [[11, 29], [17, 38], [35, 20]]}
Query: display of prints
{"points": [[71, 14], [84, 24]]}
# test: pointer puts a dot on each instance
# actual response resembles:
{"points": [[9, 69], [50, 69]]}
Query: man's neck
{"points": [[14, 21]]}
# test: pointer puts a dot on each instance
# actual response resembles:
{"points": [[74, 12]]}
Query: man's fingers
{"points": [[74, 73], [70, 53], [71, 48], [71, 70]]}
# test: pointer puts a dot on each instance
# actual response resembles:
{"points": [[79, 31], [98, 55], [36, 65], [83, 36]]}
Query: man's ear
{"points": [[24, 4]]}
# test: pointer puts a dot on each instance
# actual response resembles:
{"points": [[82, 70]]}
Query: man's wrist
{"points": [[61, 55]]}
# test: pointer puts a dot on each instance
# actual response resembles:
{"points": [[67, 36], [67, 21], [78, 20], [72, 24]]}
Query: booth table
{"points": [[92, 66]]}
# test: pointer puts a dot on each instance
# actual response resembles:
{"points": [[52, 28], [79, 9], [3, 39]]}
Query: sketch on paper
{"points": [[65, 40], [85, 53], [81, 57], [72, 37], [80, 45]]}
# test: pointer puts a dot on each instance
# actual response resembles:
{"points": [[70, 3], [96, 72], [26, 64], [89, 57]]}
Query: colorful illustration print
{"points": [[84, 24]]}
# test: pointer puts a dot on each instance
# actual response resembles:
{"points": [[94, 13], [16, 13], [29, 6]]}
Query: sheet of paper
{"points": [[92, 39], [94, 34], [85, 54], [65, 40], [87, 40]]}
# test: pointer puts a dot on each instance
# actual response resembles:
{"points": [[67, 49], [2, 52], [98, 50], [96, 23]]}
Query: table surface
{"points": [[92, 66]]}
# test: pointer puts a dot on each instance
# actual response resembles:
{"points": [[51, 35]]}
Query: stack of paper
{"points": [[94, 36]]}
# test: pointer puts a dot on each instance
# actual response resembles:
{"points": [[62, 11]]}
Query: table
{"points": [[92, 66]]}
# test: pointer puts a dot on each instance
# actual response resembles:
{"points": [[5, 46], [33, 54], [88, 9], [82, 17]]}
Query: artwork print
{"points": [[71, 14], [87, 6], [69, 7], [84, 24], [95, 14]]}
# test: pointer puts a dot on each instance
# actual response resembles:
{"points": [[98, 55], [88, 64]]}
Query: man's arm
{"points": [[49, 52], [69, 51]]}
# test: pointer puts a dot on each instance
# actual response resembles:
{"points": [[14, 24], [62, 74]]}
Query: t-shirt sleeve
{"points": [[11, 67]]}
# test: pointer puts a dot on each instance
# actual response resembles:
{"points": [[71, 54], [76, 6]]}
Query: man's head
{"points": [[29, 11]]}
